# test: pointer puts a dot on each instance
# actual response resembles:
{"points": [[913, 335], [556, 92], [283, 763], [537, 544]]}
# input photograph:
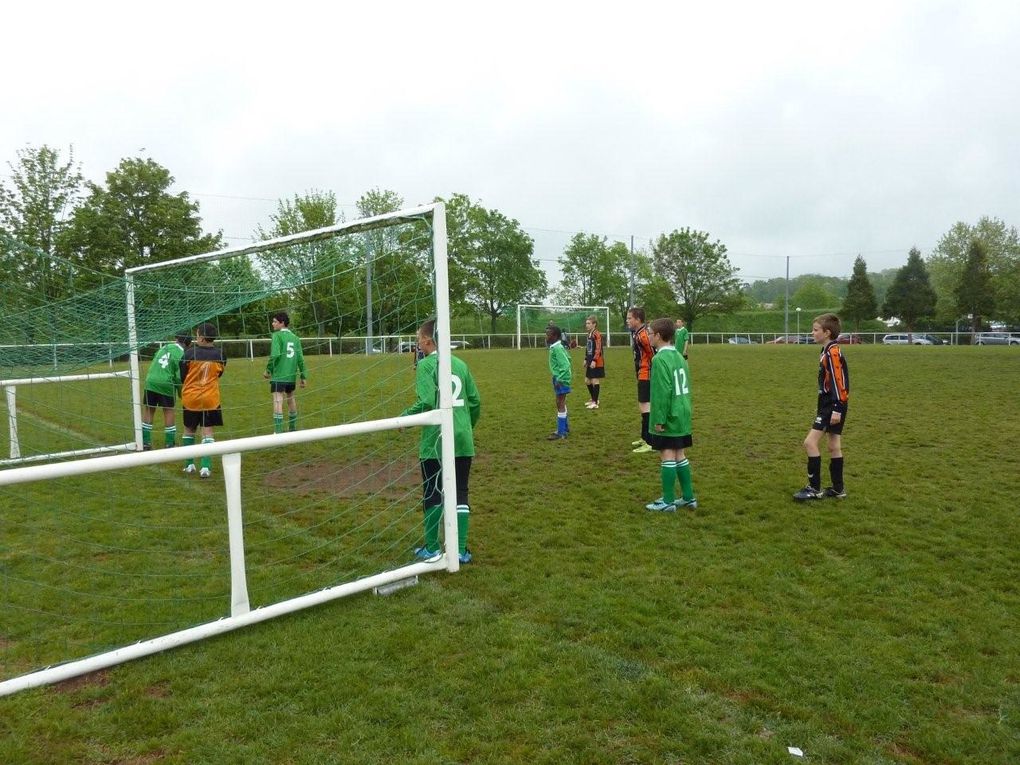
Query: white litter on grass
{"points": [[795, 751]]}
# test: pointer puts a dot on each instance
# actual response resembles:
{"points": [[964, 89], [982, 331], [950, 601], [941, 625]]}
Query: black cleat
{"points": [[833, 494], [807, 493]]}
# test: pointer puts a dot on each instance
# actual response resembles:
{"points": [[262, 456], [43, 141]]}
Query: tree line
{"points": [[84, 232]]}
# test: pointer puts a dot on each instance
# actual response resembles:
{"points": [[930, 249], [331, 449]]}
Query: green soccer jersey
{"points": [[559, 363], [467, 406], [681, 339], [671, 394], [164, 375], [286, 361]]}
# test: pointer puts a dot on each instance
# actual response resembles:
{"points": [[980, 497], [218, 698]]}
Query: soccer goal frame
{"points": [[10, 388], [592, 309], [241, 613]]}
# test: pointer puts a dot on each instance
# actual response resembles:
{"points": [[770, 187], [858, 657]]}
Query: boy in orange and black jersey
{"points": [[641, 342], [201, 368], [833, 395]]}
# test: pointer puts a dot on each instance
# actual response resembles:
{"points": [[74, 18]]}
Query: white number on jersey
{"points": [[290, 350], [680, 382], [458, 388], [164, 361]]}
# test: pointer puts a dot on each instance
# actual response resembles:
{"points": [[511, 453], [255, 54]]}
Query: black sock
{"points": [[836, 473], [591, 392], [814, 472], [595, 390], [644, 427]]}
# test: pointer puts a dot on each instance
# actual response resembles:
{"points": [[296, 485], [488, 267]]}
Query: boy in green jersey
{"points": [[682, 341], [286, 364], [467, 407], [559, 367], [670, 418], [162, 386]]}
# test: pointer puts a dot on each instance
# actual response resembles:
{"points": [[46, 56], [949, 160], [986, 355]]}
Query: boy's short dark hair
{"points": [[282, 317], [829, 322], [664, 328], [428, 329], [637, 313], [555, 331], [208, 331], [184, 338]]}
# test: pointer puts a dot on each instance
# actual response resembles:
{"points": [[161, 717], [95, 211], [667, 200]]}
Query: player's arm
{"points": [[660, 387], [425, 392], [274, 356], [474, 401]]}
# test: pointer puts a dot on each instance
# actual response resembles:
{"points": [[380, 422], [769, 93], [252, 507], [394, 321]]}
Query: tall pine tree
{"points": [[911, 296], [859, 303]]}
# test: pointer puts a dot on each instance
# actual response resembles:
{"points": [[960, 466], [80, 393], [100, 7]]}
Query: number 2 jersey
{"points": [[467, 406], [201, 368], [671, 394]]}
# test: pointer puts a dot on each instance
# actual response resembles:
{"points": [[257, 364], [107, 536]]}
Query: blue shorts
{"points": [[560, 388]]}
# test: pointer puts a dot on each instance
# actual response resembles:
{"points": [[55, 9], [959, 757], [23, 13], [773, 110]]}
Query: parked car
{"points": [[741, 340], [901, 339], [848, 338], [791, 340], [458, 344], [932, 340], [996, 338], [409, 347]]}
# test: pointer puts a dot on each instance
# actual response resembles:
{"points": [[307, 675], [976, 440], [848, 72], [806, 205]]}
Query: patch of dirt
{"points": [[346, 480], [98, 679]]}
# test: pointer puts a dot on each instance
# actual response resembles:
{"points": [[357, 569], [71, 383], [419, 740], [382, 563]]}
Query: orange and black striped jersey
{"points": [[593, 351], [833, 377], [642, 344], [201, 368]]}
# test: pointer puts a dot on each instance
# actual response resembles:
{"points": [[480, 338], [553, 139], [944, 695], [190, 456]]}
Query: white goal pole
{"points": [[136, 374]]}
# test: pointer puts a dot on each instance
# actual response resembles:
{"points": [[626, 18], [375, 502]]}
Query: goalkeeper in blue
{"points": [[467, 407], [162, 387], [669, 418], [286, 365]]}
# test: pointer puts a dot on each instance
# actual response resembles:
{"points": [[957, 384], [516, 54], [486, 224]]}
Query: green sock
{"points": [[292, 422], [683, 472], [433, 517], [277, 423], [170, 436], [463, 520], [146, 434], [207, 461], [187, 440], [667, 472]]}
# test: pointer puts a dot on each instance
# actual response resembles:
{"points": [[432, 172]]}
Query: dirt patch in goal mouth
{"points": [[346, 479]]}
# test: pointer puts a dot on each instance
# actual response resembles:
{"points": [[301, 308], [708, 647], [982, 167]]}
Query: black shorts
{"points": [[823, 420], [671, 442], [210, 418], [432, 477], [644, 391], [595, 373], [154, 399], [281, 387]]}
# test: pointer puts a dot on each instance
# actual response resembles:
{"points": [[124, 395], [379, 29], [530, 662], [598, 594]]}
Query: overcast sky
{"points": [[804, 129]]}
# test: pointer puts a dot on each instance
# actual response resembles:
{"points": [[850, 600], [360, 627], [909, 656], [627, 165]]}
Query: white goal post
{"points": [[597, 310]]}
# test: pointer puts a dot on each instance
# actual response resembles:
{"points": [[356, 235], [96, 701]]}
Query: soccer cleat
{"points": [[808, 493], [594, 406], [589, 404], [189, 469], [555, 436], [204, 473], [638, 442], [424, 553], [465, 557], [661, 506], [833, 494], [642, 449], [691, 503]]}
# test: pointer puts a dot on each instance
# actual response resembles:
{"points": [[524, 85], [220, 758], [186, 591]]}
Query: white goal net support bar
{"points": [[598, 310], [11, 392]]}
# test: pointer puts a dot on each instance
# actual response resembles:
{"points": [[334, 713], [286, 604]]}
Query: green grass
{"points": [[882, 629]]}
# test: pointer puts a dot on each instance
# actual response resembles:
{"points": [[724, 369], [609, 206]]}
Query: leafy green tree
{"points": [[698, 272], [134, 219], [595, 272], [859, 303], [35, 210], [947, 261], [491, 257], [811, 294], [911, 296], [974, 295]]}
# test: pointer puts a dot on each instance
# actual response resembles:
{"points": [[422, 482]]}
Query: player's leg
{"points": [[277, 408], [169, 426], [838, 489], [208, 423], [667, 475], [813, 489], [463, 507], [596, 388], [432, 499], [191, 423], [291, 410], [683, 474], [148, 412], [644, 407]]}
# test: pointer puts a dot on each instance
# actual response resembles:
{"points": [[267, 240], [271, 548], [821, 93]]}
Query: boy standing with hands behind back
{"points": [[670, 418]]}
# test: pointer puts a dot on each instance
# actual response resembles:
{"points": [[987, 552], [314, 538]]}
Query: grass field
{"points": [[879, 629]]}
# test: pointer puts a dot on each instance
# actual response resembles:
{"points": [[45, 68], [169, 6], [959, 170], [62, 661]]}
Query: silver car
{"points": [[996, 338]]}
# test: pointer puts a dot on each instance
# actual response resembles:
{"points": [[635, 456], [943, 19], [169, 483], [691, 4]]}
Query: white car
{"points": [[996, 338], [900, 339]]}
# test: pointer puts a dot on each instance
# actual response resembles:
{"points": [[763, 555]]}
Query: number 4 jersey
{"points": [[671, 393], [164, 375]]}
